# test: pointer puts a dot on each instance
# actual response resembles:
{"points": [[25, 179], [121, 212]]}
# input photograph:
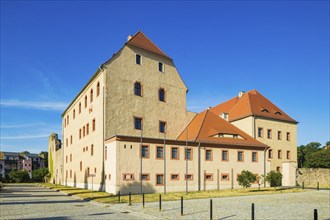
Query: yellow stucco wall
{"points": [[122, 105]]}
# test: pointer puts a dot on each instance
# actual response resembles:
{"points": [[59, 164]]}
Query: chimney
{"points": [[129, 37], [240, 94]]}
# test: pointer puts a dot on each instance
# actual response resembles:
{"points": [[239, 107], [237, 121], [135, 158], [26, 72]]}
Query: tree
{"points": [[319, 159], [304, 152], [19, 176], [39, 174], [260, 180], [246, 178], [274, 178]]}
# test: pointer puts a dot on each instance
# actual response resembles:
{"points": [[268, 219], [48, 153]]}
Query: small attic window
{"points": [[265, 110], [138, 59], [235, 136], [224, 115], [220, 135], [278, 113]]}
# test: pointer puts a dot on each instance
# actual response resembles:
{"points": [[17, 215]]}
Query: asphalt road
{"points": [[28, 201]]}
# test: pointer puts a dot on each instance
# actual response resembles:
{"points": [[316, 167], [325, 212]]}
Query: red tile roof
{"points": [[142, 41], [206, 125], [249, 104]]}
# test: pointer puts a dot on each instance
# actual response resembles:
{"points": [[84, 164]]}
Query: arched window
{"points": [[98, 89], [161, 94], [138, 89], [91, 95], [85, 101], [79, 107]]}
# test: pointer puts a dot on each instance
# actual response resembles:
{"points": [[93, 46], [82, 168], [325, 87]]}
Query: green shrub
{"points": [[19, 176], [246, 178], [39, 174], [274, 178]]}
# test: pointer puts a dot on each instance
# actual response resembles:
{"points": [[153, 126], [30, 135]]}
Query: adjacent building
{"points": [[128, 130]]}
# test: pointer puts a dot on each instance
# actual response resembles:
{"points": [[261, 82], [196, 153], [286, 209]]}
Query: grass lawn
{"points": [[104, 197]]}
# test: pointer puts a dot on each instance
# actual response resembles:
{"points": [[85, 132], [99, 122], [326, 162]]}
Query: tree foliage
{"points": [[39, 174], [274, 178], [312, 156], [19, 176], [246, 178]]}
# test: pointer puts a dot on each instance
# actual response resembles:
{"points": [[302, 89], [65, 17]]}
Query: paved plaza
{"points": [[27, 201]]}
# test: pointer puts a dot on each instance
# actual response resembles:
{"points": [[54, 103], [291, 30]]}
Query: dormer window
{"points": [[220, 135], [138, 59], [278, 113], [265, 110], [235, 136], [161, 67], [224, 115]]}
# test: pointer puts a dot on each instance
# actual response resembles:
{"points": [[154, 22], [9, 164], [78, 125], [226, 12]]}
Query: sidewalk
{"points": [[278, 206]]}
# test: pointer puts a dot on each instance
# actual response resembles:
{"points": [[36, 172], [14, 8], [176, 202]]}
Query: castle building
{"points": [[128, 130]]}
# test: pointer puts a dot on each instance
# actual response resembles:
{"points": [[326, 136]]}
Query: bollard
{"points": [[143, 200], [315, 214], [160, 202], [181, 206], [303, 185], [211, 209], [252, 211], [118, 196], [129, 199], [318, 186]]}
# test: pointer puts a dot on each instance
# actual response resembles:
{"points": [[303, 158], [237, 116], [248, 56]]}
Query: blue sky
{"points": [[50, 49]]}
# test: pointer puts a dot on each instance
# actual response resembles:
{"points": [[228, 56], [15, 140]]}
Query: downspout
{"points": [[265, 165], [199, 166], [103, 144]]}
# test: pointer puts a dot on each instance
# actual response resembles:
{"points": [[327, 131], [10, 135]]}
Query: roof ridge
{"points": [[187, 126], [200, 128], [250, 106], [240, 99]]}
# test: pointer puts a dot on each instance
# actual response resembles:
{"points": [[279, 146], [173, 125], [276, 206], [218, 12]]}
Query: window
{"points": [[159, 153], [64, 122], [92, 150], [80, 133], [93, 125], [288, 156], [66, 142], [161, 95], [224, 176], [278, 113], [269, 133], [279, 154], [159, 179], [87, 148], [145, 176], [67, 119], [240, 156], [79, 107], [138, 123], [137, 89], [175, 153], [138, 59], [208, 155], [224, 155], [128, 176], [85, 101], [91, 96], [188, 154], [288, 136], [87, 128], [94, 170], [254, 156], [188, 177], [88, 171], [80, 165], [161, 67], [270, 154], [265, 110], [145, 152], [175, 176], [74, 114], [162, 127], [71, 139], [84, 131], [279, 135], [278, 169], [105, 153], [98, 89], [260, 132], [208, 177]]}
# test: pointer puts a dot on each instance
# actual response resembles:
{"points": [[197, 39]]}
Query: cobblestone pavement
{"points": [[28, 201], [280, 206]]}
